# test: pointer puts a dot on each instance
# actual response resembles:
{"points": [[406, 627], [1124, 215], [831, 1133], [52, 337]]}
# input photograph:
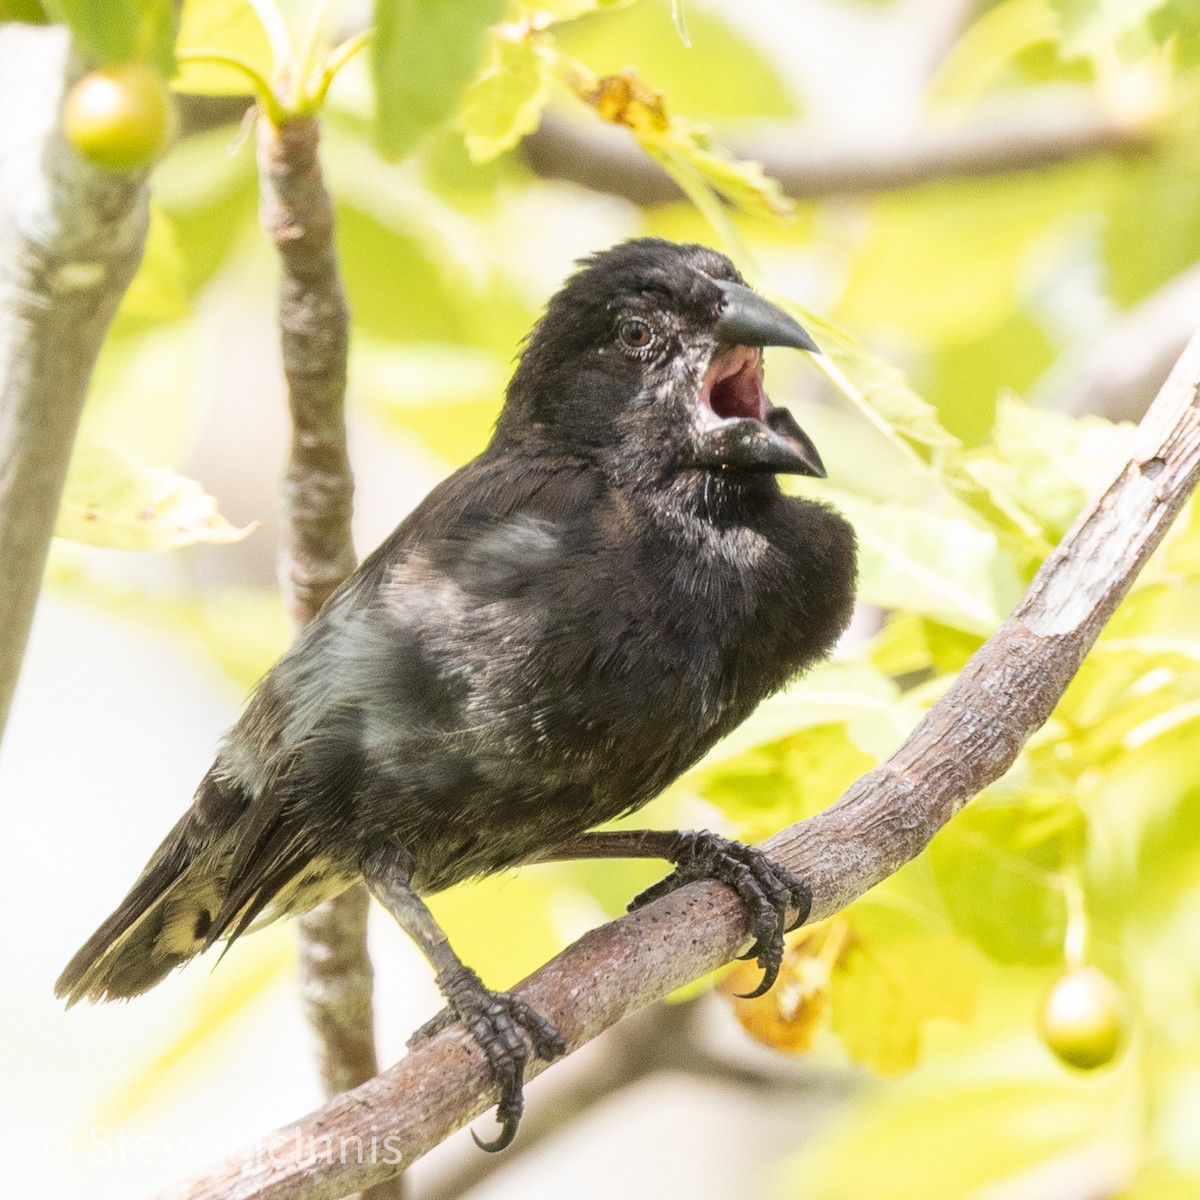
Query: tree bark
{"points": [[71, 238]]}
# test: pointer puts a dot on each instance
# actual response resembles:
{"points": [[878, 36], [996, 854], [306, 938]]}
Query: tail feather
{"points": [[160, 925], [228, 866]]}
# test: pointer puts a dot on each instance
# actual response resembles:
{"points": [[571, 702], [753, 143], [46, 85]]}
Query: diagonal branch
{"points": [[967, 740], [71, 238]]}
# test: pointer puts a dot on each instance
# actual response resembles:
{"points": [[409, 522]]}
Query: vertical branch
{"points": [[317, 551], [336, 981], [71, 238]]}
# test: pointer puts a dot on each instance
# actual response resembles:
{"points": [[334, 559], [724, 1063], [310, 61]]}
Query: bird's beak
{"points": [[741, 428], [749, 320]]}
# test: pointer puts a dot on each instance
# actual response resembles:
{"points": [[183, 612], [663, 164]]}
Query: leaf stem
{"points": [[337, 59], [306, 60], [708, 203], [262, 89], [1075, 942]]}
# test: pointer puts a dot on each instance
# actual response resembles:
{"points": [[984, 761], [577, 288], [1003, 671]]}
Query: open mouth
{"points": [[732, 388]]}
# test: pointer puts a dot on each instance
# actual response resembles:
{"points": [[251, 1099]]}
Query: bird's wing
{"points": [[361, 673]]}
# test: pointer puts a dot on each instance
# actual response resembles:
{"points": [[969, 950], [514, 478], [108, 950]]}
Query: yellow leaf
{"points": [[626, 99], [111, 500], [788, 1016]]}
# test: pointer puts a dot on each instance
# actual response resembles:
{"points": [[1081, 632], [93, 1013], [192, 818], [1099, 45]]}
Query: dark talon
{"points": [[504, 1138], [767, 889], [496, 1021]]}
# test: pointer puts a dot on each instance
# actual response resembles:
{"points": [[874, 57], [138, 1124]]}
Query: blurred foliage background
{"points": [[990, 218]]}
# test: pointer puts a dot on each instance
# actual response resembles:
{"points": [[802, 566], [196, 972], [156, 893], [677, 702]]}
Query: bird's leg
{"points": [[770, 891], [495, 1020]]}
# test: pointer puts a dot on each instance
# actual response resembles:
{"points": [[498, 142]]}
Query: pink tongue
{"points": [[737, 395]]}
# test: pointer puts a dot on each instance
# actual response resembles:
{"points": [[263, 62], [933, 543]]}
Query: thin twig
{"points": [[966, 741], [1039, 132], [296, 210], [71, 238], [317, 551]]}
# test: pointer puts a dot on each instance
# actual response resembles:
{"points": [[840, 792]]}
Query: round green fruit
{"points": [[121, 117], [1083, 1019]]}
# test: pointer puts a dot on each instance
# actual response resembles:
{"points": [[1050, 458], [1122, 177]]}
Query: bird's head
{"points": [[652, 352]]}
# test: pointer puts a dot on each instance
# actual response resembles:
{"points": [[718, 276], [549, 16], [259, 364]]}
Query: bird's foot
{"points": [[496, 1020], [768, 890]]}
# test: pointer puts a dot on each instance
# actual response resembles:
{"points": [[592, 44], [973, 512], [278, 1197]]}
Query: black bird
{"points": [[555, 633]]}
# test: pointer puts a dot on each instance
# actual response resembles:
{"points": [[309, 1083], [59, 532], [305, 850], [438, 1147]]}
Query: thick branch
{"points": [[967, 740], [1040, 131], [317, 550], [71, 237]]}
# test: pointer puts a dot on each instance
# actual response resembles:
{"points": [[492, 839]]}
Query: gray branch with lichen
{"points": [[71, 238]]}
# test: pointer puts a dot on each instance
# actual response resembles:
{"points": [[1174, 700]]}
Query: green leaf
{"points": [[28, 12], [401, 378], [742, 182], [854, 694], [115, 31], [424, 54], [988, 46], [157, 292], [241, 630], [229, 27], [897, 972], [506, 101], [763, 789], [1156, 623], [1090, 27], [444, 396], [998, 866], [1160, 1181], [937, 565], [112, 501], [1043, 466], [682, 148], [244, 630], [901, 648], [1003, 231], [879, 390]]}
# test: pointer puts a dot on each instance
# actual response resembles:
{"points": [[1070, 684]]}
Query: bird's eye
{"points": [[635, 333]]}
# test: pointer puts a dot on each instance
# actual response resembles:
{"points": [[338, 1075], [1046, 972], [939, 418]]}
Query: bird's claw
{"points": [[496, 1020], [770, 891]]}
